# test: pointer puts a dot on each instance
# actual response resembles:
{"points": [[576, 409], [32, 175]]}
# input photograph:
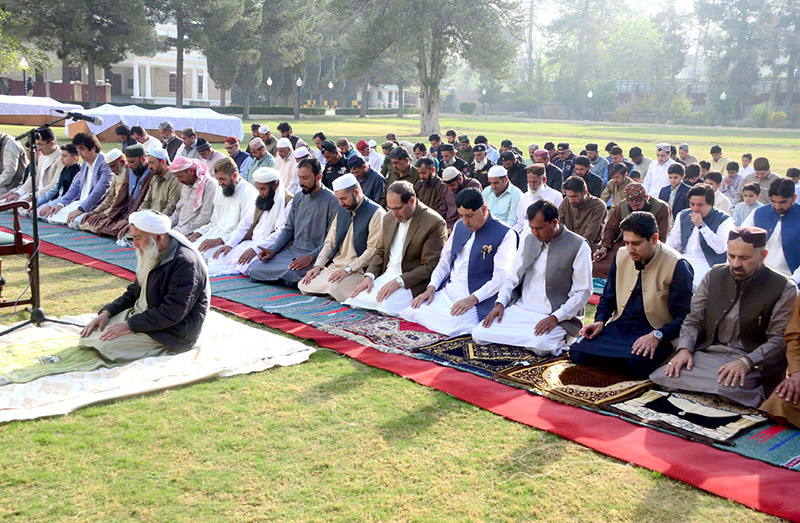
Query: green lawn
{"points": [[328, 439]]}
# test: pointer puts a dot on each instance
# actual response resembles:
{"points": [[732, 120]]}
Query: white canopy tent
{"points": [[31, 110], [211, 125]]}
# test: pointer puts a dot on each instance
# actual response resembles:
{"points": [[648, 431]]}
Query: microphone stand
{"points": [[38, 316]]}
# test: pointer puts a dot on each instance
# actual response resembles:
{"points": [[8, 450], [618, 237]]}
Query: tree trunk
{"points": [[529, 50], [222, 93], [401, 100], [245, 85], [429, 86], [65, 76], [179, 20], [92, 80], [296, 97], [364, 100]]}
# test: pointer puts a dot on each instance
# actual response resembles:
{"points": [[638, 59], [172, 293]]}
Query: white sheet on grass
{"points": [[226, 348], [202, 120], [28, 105]]}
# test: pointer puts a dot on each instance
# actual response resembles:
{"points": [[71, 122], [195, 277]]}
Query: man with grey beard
{"points": [[163, 310]]}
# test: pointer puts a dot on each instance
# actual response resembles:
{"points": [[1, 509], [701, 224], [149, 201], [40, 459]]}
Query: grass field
{"points": [[331, 438]]}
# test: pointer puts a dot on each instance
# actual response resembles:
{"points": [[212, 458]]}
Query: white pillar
{"points": [[136, 90], [205, 86], [194, 84], [148, 84]]}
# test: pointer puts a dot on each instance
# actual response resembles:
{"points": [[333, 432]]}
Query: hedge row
{"points": [[350, 112]]}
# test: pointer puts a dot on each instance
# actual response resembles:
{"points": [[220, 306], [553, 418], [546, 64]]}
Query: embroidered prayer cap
{"points": [[663, 147], [372, 143], [203, 145], [115, 154], [755, 236], [300, 152], [181, 163], [563, 146], [133, 151], [158, 152], [266, 175], [284, 142], [479, 148], [450, 173], [497, 171], [684, 147], [345, 181], [232, 140], [635, 192], [264, 129], [150, 222], [362, 145], [256, 143], [355, 161]]}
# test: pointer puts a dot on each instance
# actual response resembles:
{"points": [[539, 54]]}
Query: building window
{"points": [[130, 84], [200, 84], [74, 74], [173, 80]]}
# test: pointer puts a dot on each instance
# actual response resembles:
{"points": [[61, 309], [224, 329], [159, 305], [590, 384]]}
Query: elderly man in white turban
{"points": [[198, 191], [352, 239], [257, 230], [233, 202], [287, 165], [163, 310]]}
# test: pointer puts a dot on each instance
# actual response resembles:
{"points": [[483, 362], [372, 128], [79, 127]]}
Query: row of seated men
{"points": [[480, 279]]}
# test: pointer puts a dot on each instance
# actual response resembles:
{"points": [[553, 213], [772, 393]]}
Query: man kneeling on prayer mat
{"points": [[412, 239], [474, 263], [644, 302], [234, 200], [163, 310], [731, 344], [542, 300], [257, 230], [784, 403], [352, 239]]}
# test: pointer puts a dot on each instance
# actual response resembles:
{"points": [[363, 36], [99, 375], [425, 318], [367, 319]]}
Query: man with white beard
{"points": [[479, 168], [537, 190], [233, 201], [257, 230], [287, 165], [163, 310]]}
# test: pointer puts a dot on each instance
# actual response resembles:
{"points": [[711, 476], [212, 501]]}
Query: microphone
{"points": [[96, 120]]}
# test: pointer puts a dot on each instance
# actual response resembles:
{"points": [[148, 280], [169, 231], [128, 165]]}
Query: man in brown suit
{"points": [[413, 236]]}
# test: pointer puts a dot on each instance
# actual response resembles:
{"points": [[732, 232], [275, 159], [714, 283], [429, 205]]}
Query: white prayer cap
{"points": [[150, 221], [345, 181], [266, 175], [113, 155], [497, 171], [264, 129], [257, 143], [300, 152], [372, 143], [284, 142], [450, 173]]}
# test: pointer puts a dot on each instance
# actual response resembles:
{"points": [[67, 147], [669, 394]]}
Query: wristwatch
{"points": [[348, 270], [658, 334], [400, 282]]}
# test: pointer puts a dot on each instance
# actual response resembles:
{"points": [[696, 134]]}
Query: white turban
{"points": [[156, 223], [300, 152], [450, 173], [266, 175], [284, 142], [113, 155], [345, 181]]}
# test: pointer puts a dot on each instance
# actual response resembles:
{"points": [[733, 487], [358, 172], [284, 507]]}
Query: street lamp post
{"points": [[589, 96], [23, 64], [722, 98], [330, 86], [299, 84], [269, 91], [483, 92]]}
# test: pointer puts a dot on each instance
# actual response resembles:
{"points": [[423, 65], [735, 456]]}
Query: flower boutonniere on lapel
{"points": [[486, 249]]}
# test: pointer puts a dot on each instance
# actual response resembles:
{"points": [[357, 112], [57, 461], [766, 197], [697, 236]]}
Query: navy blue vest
{"points": [[240, 157], [360, 222], [712, 220], [481, 265], [767, 219]]}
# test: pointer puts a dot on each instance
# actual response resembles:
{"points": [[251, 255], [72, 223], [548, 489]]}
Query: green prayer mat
{"points": [[27, 361]]}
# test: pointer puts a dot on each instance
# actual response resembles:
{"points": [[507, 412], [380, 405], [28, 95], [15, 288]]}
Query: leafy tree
{"points": [[97, 33]]}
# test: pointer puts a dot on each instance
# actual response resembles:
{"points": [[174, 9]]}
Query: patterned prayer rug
{"points": [[777, 445], [45, 355], [696, 416], [380, 332], [598, 284], [484, 360], [564, 381]]}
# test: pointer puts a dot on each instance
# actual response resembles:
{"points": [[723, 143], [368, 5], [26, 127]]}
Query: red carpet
{"points": [[750, 482]]}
